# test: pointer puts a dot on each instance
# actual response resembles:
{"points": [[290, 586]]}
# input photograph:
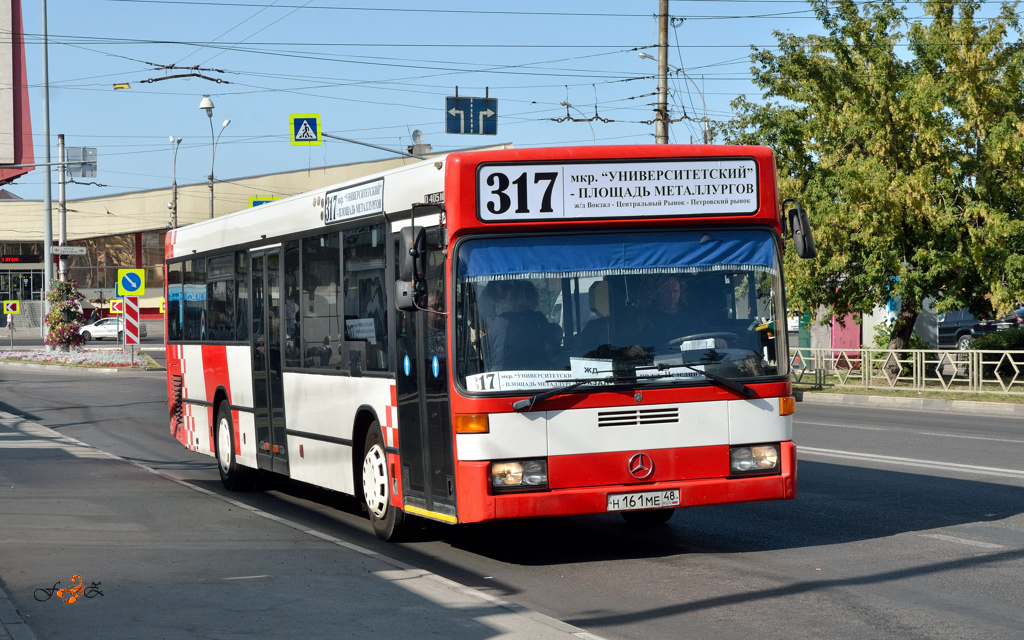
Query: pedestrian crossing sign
{"points": [[305, 129]]}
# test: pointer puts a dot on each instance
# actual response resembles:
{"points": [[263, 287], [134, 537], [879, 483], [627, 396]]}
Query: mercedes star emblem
{"points": [[641, 466]]}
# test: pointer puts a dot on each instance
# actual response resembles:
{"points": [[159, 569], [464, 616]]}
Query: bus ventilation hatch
{"points": [[638, 417]]}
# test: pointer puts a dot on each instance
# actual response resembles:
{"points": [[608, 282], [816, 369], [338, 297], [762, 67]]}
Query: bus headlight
{"points": [[762, 458], [519, 474]]}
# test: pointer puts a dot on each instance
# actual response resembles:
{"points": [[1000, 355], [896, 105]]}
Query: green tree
{"points": [[64, 316], [904, 142]]}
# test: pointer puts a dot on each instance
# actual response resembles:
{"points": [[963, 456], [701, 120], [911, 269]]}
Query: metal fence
{"points": [[1000, 372]]}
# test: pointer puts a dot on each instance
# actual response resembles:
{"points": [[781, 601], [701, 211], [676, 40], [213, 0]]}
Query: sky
{"points": [[374, 72]]}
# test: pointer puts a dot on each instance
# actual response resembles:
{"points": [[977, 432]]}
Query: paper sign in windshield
{"points": [[516, 380]]}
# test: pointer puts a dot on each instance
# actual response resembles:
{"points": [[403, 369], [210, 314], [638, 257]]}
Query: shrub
{"points": [[1003, 340]]}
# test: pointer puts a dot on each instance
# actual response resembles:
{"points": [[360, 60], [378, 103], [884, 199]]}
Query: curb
{"points": [[917, 404], [11, 623], [63, 367]]}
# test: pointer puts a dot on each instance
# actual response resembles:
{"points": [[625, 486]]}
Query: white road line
{"points": [[841, 426], [970, 543], [912, 462], [952, 435]]}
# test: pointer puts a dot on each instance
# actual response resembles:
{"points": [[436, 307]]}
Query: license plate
{"points": [[643, 500]]}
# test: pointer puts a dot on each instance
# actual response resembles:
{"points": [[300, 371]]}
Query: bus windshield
{"points": [[653, 307]]}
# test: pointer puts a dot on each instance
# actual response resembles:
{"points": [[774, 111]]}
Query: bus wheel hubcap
{"points": [[224, 448], [375, 481]]}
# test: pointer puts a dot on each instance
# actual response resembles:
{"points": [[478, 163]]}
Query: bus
{"points": [[498, 334]]}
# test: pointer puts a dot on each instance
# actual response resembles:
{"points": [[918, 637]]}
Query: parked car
{"points": [[107, 328], [955, 329]]}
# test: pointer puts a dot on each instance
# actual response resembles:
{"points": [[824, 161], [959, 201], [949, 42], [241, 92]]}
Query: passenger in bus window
{"points": [[665, 317], [522, 338], [597, 331], [490, 300]]}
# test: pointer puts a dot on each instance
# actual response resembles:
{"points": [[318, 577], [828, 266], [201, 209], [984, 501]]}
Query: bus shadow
{"points": [[836, 504]]}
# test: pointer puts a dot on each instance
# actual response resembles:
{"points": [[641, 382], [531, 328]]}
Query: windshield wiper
{"points": [[728, 383], [527, 403]]}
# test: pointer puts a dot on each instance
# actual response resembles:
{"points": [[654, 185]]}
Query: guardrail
{"points": [[998, 372]]}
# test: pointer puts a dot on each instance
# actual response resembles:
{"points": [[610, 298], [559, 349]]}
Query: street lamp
{"points": [[585, 118], [207, 104], [707, 128], [173, 204]]}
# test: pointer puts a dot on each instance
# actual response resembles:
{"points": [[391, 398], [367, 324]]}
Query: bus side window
{"points": [[365, 303], [194, 300], [173, 311], [321, 326], [241, 295], [291, 305]]}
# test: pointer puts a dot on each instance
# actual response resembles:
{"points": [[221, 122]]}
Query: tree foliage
{"points": [[905, 142]]}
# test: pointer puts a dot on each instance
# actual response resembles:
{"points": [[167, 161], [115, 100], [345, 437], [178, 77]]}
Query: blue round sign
{"points": [[435, 366], [407, 365]]}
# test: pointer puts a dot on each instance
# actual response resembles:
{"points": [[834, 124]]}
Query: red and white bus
{"points": [[498, 334]]}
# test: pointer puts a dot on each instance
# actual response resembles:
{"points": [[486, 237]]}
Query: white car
{"points": [[107, 328]]}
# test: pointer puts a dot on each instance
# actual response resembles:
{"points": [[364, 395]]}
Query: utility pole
{"points": [[661, 119], [47, 194], [62, 208]]}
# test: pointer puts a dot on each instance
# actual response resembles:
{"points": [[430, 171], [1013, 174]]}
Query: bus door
{"points": [[268, 386], [424, 412]]}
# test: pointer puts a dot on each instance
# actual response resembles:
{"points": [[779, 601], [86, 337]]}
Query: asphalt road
{"points": [[908, 525]]}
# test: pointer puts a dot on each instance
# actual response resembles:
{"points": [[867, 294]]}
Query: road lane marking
{"points": [[913, 462], [952, 435], [970, 543], [841, 426]]}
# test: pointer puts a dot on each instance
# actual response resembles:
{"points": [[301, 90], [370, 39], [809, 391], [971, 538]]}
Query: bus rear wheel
{"points": [[649, 518], [234, 476], [387, 521]]}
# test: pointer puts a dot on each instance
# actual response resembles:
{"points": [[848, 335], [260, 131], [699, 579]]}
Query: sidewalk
{"points": [[1010, 410], [231, 569]]}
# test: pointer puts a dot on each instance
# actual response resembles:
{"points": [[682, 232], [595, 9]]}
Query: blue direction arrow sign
{"points": [[131, 282], [471, 115]]}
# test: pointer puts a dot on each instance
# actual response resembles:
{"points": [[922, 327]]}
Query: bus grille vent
{"points": [[638, 417]]}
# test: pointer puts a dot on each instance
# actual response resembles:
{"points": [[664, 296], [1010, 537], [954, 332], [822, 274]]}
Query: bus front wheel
{"points": [[234, 476], [387, 521]]}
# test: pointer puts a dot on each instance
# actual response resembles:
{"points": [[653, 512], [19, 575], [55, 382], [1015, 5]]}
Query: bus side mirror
{"points": [[412, 253], [803, 239]]}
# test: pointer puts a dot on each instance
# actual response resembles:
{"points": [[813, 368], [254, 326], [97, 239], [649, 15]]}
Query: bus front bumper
{"points": [[477, 504]]}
